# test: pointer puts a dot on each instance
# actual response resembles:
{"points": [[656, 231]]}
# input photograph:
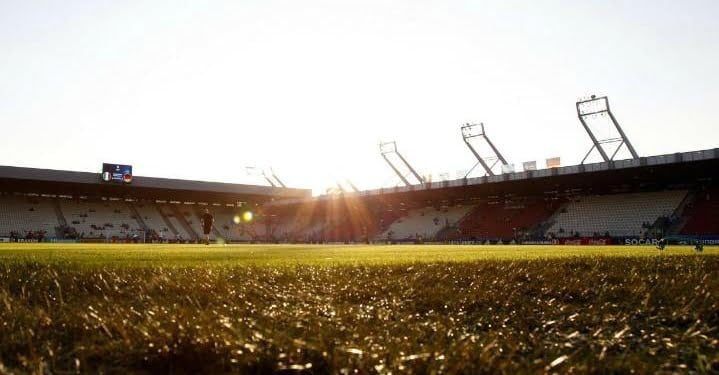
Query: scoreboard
{"points": [[118, 173]]}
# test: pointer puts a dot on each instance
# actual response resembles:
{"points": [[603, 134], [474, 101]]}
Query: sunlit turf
{"points": [[324, 255], [95, 308]]}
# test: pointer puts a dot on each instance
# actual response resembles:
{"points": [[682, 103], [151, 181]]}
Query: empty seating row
{"points": [[183, 231], [153, 219], [22, 214], [423, 223], [615, 214], [503, 220], [100, 219], [703, 214]]}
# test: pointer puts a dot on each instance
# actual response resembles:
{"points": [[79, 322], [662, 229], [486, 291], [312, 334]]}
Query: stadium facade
{"points": [[54, 205], [633, 201]]}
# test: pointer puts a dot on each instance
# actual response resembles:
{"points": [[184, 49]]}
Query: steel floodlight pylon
{"points": [[270, 177], [274, 175], [386, 148], [470, 131], [356, 190], [599, 106]]}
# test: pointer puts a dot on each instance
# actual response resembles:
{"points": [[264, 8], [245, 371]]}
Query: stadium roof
{"points": [[677, 168], [89, 183]]}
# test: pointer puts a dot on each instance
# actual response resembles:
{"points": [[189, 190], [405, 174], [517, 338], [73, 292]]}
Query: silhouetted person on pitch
{"points": [[207, 221]]}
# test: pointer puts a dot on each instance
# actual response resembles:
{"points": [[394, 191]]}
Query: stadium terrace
{"points": [[632, 201]]}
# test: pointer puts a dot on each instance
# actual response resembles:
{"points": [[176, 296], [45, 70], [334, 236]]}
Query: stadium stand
{"points": [[22, 214], [100, 219], [304, 222], [614, 214], [347, 229], [423, 223], [386, 218], [222, 222], [295, 228], [503, 220], [366, 223], [541, 205], [257, 229], [153, 219], [225, 226], [184, 231], [702, 217], [192, 215]]}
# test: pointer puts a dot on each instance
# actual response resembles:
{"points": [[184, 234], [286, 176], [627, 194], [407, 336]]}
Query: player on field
{"points": [[207, 221]]}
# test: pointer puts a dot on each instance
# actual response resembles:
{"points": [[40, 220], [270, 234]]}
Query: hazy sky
{"points": [[199, 90]]}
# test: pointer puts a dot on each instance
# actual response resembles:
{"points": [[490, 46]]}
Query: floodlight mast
{"points": [[274, 175], [268, 179], [600, 106], [356, 190], [396, 171], [254, 171], [387, 148], [469, 132]]}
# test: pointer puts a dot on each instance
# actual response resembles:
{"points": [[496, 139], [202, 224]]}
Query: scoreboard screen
{"points": [[117, 173]]}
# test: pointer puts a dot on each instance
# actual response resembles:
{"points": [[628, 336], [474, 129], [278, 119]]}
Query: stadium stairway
{"points": [[424, 223], [169, 216], [180, 217], [167, 221], [541, 228], [58, 213], [153, 219], [136, 215], [452, 231], [679, 218]]}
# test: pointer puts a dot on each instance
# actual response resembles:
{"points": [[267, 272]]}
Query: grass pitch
{"points": [[373, 309], [107, 255]]}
